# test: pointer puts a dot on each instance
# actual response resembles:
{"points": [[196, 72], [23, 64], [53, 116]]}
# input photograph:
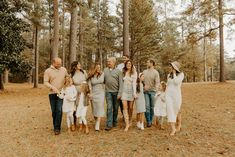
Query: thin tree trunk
{"points": [[55, 47], [205, 56], [81, 33], [73, 33], [1, 82], [36, 59], [50, 28], [221, 35], [63, 36], [126, 27], [6, 76]]}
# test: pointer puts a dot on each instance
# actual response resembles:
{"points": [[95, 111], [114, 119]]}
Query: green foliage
{"points": [[12, 42]]}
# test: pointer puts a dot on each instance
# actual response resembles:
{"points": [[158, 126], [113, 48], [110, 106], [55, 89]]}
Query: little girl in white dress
{"points": [[82, 106], [160, 105], [69, 95]]}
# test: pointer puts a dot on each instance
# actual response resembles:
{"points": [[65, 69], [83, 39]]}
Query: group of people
{"points": [[115, 86]]}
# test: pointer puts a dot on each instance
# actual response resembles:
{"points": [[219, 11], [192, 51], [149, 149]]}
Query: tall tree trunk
{"points": [[6, 76], [35, 84], [63, 36], [205, 56], [50, 27], [126, 27], [1, 82], [81, 33], [55, 47], [221, 36], [73, 33], [99, 57]]}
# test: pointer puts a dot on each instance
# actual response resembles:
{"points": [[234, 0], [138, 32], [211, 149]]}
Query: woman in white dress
{"points": [[97, 93], [174, 97], [78, 75], [128, 92]]}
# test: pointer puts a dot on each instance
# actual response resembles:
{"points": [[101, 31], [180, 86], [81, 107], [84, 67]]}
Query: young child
{"points": [[160, 105], [140, 101], [69, 94], [82, 106]]}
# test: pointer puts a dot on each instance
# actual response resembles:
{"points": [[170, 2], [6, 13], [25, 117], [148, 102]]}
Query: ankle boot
{"points": [[80, 127]]}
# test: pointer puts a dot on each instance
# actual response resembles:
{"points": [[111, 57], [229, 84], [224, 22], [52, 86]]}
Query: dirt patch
{"points": [[208, 113]]}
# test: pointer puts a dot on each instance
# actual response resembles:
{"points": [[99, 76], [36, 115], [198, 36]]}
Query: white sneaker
{"points": [[142, 126], [138, 125]]}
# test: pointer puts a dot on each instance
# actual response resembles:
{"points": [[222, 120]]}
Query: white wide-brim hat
{"points": [[176, 65]]}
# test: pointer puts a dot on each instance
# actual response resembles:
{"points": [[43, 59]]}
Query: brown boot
{"points": [[73, 128], [80, 127], [87, 129]]}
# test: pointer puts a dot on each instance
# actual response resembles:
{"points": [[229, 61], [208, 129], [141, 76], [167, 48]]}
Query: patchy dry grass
{"points": [[208, 113]]}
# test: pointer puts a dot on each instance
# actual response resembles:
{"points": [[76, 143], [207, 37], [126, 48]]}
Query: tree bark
{"points": [[35, 85], [6, 76], [55, 47], [126, 27], [221, 36], [73, 33], [63, 36], [1, 82], [81, 34]]}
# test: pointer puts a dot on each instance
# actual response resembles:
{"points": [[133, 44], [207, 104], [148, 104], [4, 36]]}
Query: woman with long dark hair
{"points": [[97, 93], [78, 75], [128, 92]]}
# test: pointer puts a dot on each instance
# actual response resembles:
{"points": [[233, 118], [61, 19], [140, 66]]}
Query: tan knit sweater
{"points": [[54, 78]]}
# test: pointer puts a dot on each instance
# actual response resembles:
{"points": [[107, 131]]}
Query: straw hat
{"points": [[140, 74], [176, 65]]}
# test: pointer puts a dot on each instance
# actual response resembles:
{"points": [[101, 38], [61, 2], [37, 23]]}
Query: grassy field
{"points": [[208, 113]]}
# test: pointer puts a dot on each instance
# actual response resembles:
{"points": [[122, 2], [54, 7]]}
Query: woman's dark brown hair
{"points": [[125, 68], [138, 83], [74, 68]]}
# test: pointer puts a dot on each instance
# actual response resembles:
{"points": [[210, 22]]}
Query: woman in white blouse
{"points": [[128, 91]]}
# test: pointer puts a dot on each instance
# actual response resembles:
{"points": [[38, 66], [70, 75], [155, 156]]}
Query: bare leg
{"points": [[126, 116], [178, 122], [138, 120], [130, 111], [173, 130], [142, 121]]}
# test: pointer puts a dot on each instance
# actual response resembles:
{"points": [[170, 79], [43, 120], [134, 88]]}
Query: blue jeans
{"points": [[56, 109], [112, 108], [150, 101]]}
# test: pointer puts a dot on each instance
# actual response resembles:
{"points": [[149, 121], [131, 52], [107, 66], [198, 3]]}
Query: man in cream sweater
{"points": [[54, 79]]}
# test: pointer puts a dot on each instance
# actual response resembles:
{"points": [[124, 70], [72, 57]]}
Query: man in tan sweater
{"points": [[54, 79]]}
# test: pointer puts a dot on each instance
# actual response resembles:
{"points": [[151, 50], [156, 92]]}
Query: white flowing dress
{"points": [[81, 109], [160, 105], [173, 96]]}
